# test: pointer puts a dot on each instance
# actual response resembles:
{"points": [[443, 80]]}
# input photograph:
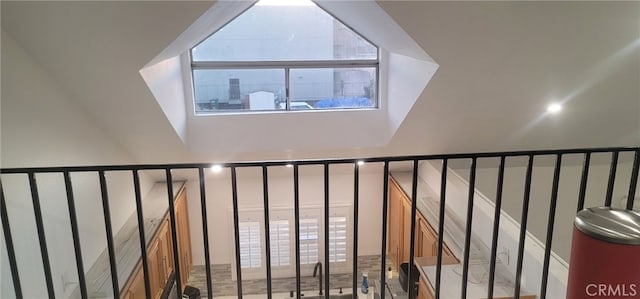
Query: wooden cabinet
{"points": [[399, 225], [394, 229], [406, 229], [184, 237], [154, 257], [165, 251], [160, 255], [426, 238], [424, 289], [399, 229], [136, 289]]}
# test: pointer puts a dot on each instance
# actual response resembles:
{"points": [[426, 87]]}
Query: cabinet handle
{"points": [[164, 265]]}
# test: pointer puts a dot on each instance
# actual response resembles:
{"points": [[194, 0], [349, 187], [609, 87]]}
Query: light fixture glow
{"points": [[289, 165], [554, 108], [360, 163], [216, 168]]}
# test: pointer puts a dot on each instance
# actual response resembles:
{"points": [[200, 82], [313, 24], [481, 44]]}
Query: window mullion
{"points": [[287, 89]]}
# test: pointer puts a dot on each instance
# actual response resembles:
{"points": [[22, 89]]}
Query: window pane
{"points": [[279, 238], [238, 90], [308, 241], [337, 239], [333, 88], [249, 235], [268, 32]]}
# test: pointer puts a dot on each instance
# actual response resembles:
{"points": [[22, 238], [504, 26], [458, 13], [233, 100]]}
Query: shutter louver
{"points": [[249, 233], [308, 241], [279, 239], [337, 239]]}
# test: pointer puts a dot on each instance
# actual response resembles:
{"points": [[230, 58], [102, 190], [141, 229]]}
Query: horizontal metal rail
{"points": [[21, 170]]}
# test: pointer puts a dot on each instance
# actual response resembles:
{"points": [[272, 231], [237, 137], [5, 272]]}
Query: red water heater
{"points": [[605, 255]]}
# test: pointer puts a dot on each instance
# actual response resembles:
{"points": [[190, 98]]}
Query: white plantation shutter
{"points": [[337, 239], [308, 241], [279, 239], [250, 256]]}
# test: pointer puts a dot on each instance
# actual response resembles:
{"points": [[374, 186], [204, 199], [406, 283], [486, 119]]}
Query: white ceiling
{"points": [[501, 63]]}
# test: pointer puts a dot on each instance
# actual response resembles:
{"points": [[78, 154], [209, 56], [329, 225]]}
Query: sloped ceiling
{"points": [[501, 63], [405, 72]]}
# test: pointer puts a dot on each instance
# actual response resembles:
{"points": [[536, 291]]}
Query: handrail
{"points": [[326, 163]]}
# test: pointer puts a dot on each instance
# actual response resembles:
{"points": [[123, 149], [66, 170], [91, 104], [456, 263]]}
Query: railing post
{"points": [[412, 239], [383, 251], [634, 180], [467, 241], [583, 181], [205, 231], [550, 224], [6, 230], [443, 197], [174, 233], [74, 232], [143, 240], [496, 227], [356, 183], [326, 230], [109, 232], [296, 212], [236, 227], [267, 232], [612, 178], [523, 226]]}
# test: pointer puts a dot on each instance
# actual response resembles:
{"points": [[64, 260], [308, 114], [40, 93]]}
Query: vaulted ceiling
{"points": [[501, 63]]}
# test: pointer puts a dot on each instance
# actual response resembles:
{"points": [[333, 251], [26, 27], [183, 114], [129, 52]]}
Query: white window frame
{"points": [[287, 65], [286, 213]]}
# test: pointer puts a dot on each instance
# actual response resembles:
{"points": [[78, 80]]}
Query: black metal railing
{"points": [[326, 164]]}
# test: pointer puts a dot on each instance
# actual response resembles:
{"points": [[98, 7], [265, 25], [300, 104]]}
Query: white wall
{"points": [[508, 235], [281, 195], [43, 126], [541, 183]]}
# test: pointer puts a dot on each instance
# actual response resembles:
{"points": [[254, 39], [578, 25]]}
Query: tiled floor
{"points": [[223, 285]]}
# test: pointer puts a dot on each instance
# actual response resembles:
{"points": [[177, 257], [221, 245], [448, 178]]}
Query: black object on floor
{"points": [[415, 275], [191, 292]]}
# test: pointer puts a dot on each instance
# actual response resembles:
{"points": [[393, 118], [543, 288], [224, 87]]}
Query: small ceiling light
{"points": [[360, 163], [289, 165], [554, 108], [216, 168]]}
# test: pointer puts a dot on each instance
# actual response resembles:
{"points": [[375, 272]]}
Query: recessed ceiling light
{"points": [[360, 163], [216, 168], [554, 108]]}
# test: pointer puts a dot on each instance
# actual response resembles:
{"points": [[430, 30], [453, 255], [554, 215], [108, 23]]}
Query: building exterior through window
{"points": [[277, 57]]}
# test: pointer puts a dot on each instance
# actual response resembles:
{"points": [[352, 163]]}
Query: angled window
{"points": [[281, 56]]}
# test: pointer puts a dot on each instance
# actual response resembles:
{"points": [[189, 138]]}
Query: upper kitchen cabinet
{"points": [[399, 229], [183, 237]]}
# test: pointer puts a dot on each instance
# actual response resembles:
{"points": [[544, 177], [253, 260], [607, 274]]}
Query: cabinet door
{"points": [[165, 245], [406, 229], [184, 237], [394, 228], [136, 289], [428, 239], [156, 282], [424, 291]]}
